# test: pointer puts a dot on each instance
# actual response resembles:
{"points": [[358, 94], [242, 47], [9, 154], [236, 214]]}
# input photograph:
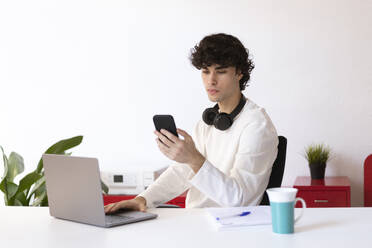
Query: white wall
{"points": [[102, 69]]}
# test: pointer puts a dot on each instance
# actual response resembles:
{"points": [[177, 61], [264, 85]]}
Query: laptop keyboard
{"points": [[113, 219]]}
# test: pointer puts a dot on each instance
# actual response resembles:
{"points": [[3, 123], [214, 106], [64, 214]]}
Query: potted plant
{"points": [[31, 189], [317, 157]]}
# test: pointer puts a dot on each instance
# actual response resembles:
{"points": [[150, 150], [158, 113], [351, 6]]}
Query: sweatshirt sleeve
{"points": [[170, 184], [247, 180], [173, 181]]}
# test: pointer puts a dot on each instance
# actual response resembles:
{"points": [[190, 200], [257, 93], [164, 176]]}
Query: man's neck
{"points": [[229, 104]]}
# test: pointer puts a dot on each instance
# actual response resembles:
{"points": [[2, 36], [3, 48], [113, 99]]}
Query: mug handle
{"points": [[302, 209]]}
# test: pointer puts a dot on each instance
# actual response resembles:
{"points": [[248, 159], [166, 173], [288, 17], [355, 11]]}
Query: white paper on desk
{"points": [[260, 215]]}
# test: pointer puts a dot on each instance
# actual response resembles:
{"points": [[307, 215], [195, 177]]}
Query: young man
{"points": [[229, 160]]}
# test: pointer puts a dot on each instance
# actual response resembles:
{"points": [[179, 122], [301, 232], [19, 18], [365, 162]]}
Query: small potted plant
{"points": [[317, 157]]}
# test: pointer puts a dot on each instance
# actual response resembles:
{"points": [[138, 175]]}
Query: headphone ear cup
{"points": [[208, 115], [222, 121]]}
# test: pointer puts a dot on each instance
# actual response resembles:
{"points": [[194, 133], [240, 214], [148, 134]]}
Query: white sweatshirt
{"points": [[237, 167]]}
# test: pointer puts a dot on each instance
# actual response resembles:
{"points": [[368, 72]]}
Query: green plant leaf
{"points": [[26, 182], [38, 200], [59, 148], [44, 202], [39, 183], [5, 160], [20, 199], [40, 190], [4, 181], [317, 154], [17, 203], [12, 190], [15, 166], [104, 187], [3, 186]]}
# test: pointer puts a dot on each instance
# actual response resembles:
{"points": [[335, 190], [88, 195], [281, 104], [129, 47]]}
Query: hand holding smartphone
{"points": [[165, 122]]}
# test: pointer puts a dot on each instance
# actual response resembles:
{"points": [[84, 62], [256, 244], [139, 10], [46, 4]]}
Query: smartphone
{"points": [[165, 122]]}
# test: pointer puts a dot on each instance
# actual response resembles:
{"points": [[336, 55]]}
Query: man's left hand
{"points": [[182, 151]]}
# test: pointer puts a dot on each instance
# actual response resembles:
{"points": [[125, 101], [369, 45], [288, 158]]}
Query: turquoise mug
{"points": [[282, 202]]}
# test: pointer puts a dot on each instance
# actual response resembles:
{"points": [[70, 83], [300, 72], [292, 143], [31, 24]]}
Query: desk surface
{"points": [[319, 227]]}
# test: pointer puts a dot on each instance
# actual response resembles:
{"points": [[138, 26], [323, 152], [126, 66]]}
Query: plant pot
{"points": [[317, 170]]}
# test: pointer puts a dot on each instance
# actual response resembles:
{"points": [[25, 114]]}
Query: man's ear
{"points": [[239, 73]]}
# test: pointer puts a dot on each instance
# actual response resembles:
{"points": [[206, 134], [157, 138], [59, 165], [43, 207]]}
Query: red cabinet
{"points": [[107, 199], [327, 192]]}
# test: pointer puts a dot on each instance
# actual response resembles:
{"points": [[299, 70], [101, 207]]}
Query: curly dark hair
{"points": [[224, 50]]}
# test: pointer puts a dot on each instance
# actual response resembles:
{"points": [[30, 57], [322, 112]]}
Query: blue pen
{"points": [[234, 215]]}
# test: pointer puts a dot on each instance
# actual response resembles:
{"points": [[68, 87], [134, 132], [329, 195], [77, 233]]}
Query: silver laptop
{"points": [[74, 192]]}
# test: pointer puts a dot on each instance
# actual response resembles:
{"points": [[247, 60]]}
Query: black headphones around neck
{"points": [[222, 121]]}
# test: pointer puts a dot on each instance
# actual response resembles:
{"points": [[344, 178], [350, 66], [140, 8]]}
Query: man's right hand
{"points": [[138, 204]]}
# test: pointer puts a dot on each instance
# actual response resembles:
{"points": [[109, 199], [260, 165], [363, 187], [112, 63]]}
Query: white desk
{"points": [[319, 227]]}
